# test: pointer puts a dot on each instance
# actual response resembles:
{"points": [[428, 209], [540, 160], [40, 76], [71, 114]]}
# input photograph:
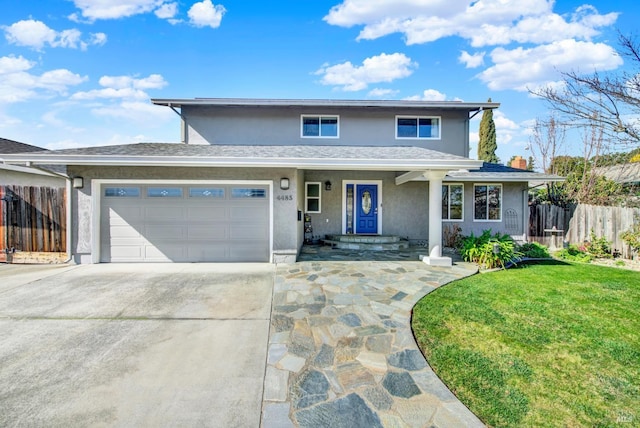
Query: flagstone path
{"points": [[341, 351]]}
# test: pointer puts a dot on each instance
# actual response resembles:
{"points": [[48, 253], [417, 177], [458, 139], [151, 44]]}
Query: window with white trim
{"points": [[312, 197], [452, 202], [319, 126], [422, 127], [487, 202]]}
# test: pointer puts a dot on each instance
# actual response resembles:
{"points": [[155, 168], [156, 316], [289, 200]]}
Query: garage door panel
{"points": [[207, 213], [247, 232], [125, 215], [211, 232], [125, 253], [187, 229], [166, 252], [125, 231], [203, 253], [165, 213], [254, 252], [157, 233], [249, 212]]}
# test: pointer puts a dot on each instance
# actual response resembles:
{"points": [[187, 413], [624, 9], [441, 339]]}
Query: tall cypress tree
{"points": [[487, 144]]}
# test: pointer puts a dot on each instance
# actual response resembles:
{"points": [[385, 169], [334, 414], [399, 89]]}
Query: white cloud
{"points": [[423, 21], [37, 35], [429, 95], [114, 9], [380, 93], [522, 68], [11, 64], [167, 11], [531, 25], [17, 84], [135, 111], [206, 14], [471, 61], [376, 69], [122, 87]]}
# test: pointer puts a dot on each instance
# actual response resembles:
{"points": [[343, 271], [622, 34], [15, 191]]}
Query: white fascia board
{"points": [[302, 163], [27, 170], [498, 179]]}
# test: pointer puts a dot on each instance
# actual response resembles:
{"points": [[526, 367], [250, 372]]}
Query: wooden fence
{"points": [[578, 221], [33, 219]]}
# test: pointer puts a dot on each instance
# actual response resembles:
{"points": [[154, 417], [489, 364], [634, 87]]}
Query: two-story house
{"points": [[248, 171]]}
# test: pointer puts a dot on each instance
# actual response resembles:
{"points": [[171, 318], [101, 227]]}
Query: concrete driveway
{"points": [[133, 345]]}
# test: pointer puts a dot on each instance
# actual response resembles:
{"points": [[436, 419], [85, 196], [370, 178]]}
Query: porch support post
{"points": [[435, 220]]}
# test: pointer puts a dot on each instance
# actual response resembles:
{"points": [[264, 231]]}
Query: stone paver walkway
{"points": [[341, 351]]}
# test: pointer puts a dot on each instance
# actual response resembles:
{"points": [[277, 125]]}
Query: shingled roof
{"points": [[10, 146]]}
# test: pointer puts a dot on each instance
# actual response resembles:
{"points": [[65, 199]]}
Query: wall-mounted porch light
{"points": [[78, 182], [327, 185], [284, 183]]}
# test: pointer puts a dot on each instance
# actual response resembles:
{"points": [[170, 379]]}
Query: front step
{"points": [[367, 242]]}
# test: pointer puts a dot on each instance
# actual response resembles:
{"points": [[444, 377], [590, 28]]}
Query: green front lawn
{"points": [[546, 344]]}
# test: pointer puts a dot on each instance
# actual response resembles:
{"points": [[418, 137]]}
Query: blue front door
{"points": [[366, 208]]}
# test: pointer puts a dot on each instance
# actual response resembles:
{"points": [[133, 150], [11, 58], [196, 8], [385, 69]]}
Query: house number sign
{"points": [[284, 197]]}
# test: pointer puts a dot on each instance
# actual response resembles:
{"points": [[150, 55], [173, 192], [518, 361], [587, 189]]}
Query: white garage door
{"points": [[184, 223]]}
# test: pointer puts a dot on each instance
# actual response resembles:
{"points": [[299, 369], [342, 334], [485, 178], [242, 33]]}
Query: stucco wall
{"points": [[285, 209], [404, 208], [513, 197], [281, 126]]}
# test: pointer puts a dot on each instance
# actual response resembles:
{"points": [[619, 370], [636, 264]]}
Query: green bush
{"points": [[533, 250], [598, 247], [632, 236], [489, 251], [574, 254]]}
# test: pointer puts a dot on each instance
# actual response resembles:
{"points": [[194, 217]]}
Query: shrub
{"points": [[574, 254], [533, 250], [632, 236], [452, 236], [489, 251], [598, 247]]}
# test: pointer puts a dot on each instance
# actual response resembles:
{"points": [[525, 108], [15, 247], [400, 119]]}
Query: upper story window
{"points": [[424, 127], [320, 126]]}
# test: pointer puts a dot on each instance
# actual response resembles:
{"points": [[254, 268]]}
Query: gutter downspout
{"points": [[183, 127]]}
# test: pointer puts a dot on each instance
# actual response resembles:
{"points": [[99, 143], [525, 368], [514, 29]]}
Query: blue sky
{"points": [[77, 73]]}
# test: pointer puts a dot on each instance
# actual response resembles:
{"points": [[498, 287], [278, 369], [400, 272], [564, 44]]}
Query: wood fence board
{"points": [[32, 220], [578, 222]]}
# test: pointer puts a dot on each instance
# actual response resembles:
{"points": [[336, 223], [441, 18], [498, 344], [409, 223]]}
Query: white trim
{"points": [[474, 203], [96, 204], [320, 116], [343, 197], [29, 170], [319, 197], [300, 163], [455, 220], [417, 137]]}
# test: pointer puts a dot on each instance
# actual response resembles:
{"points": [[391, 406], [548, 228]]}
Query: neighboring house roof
{"points": [[623, 173], [10, 146], [292, 156], [15, 147], [255, 102], [498, 172]]}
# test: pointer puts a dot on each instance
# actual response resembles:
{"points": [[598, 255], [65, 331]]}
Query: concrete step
{"points": [[365, 239], [368, 246]]}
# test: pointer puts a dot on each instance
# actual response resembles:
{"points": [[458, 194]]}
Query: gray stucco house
{"points": [[249, 171]]}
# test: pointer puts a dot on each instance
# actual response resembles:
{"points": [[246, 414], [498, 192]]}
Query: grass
{"points": [[546, 344]]}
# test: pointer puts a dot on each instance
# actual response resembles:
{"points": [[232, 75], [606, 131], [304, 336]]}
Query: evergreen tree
{"points": [[487, 144], [530, 164]]}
